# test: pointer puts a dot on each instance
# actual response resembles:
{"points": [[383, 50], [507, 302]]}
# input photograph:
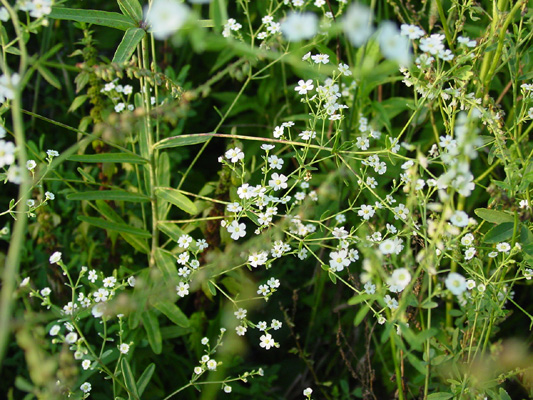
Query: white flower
{"points": [[267, 147], [299, 26], [85, 364], [370, 288], [267, 341], [101, 295], [345, 69], [306, 56], [394, 46], [303, 87], [92, 276], [388, 246], [14, 174], [455, 283], [182, 289], [275, 324], [278, 181], [503, 247], [366, 212], [339, 260], [308, 392], [202, 244], [49, 196], [237, 230], [411, 31], [470, 253], [275, 162], [7, 153], [241, 330], [7, 86], [227, 389], [390, 302], [212, 365], [432, 44], [54, 330], [85, 387], [98, 310], [109, 281], [55, 258], [234, 155], [357, 24], [470, 284], [71, 337], [399, 280], [132, 281], [40, 8], [401, 212], [124, 348], [30, 165], [184, 241], [467, 239], [165, 17], [46, 291], [4, 14], [320, 58], [240, 313], [120, 107]]}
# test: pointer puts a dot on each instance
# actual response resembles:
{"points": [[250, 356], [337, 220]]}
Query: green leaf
{"points": [[493, 216], [361, 314], [108, 158], [131, 8], [116, 195], [115, 226], [360, 298], [440, 396], [49, 76], [128, 44], [499, 233], [129, 380], [166, 263], [77, 102], [179, 200], [145, 378], [173, 313], [87, 176], [170, 229], [183, 140], [504, 395], [151, 325], [163, 179], [103, 18], [212, 288], [136, 242]]}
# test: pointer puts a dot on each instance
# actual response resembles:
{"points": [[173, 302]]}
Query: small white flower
{"points": [[390, 302], [182, 289], [456, 283], [72, 337], [267, 341], [124, 348], [275, 324], [241, 330], [54, 330], [85, 387], [212, 365], [357, 24], [85, 364], [165, 17], [132, 281], [503, 247], [45, 292], [470, 253], [308, 392], [304, 86], [55, 258], [30, 165], [299, 26], [237, 230], [109, 282], [92, 276], [320, 58], [234, 155]]}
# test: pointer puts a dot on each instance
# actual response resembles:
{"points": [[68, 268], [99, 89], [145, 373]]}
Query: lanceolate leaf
{"points": [[177, 198], [103, 18], [145, 378], [129, 380], [183, 140], [131, 8], [151, 325], [173, 313], [127, 46], [117, 195], [108, 157], [114, 226]]}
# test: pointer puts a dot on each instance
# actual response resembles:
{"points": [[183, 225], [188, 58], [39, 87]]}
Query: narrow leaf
{"points": [[115, 226], [361, 314], [127, 46], [440, 396], [166, 263], [117, 195], [128, 380], [108, 158], [77, 103], [145, 378], [103, 18], [179, 200], [49, 76], [131, 8], [151, 325], [173, 313], [183, 140]]}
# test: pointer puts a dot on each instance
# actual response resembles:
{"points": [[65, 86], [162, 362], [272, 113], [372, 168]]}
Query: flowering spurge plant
{"points": [[365, 232]]}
